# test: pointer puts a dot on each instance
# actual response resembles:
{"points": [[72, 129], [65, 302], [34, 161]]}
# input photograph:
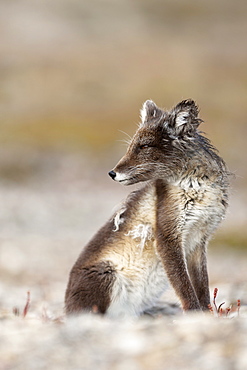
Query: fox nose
{"points": [[112, 174]]}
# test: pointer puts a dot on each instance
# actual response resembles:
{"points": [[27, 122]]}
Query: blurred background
{"points": [[74, 75]]}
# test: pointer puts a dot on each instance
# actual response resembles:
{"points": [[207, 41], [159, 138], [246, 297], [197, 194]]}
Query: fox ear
{"points": [[184, 117], [149, 110]]}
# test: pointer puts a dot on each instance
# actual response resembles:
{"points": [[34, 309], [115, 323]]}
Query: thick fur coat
{"points": [[159, 235]]}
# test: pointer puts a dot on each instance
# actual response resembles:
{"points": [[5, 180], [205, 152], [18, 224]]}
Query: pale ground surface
{"points": [[44, 224]]}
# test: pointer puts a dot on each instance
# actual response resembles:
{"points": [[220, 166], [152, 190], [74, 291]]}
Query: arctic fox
{"points": [[160, 233]]}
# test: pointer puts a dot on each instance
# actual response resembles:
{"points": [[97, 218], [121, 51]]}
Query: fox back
{"points": [[159, 235]]}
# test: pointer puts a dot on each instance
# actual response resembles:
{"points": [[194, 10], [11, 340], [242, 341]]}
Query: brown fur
{"points": [[161, 232]]}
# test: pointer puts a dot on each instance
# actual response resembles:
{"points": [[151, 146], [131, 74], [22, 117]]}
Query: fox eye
{"points": [[144, 146]]}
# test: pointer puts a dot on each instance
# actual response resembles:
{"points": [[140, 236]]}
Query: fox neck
{"points": [[196, 178]]}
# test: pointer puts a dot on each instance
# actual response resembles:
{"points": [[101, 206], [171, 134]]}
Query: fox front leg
{"points": [[197, 267], [170, 249], [175, 266]]}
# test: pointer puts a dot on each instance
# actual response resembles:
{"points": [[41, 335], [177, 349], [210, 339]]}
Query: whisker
{"points": [[125, 133], [125, 141]]}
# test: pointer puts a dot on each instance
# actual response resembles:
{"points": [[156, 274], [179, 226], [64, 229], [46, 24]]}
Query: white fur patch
{"points": [[118, 220], [121, 177], [133, 294], [182, 119], [143, 113], [142, 232], [144, 110], [190, 183]]}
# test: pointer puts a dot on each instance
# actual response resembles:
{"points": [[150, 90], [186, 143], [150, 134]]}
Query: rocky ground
{"points": [[90, 342]]}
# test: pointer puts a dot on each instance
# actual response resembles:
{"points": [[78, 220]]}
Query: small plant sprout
{"points": [[219, 311], [16, 310], [27, 305]]}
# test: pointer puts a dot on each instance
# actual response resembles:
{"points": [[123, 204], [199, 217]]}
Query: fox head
{"points": [[163, 146]]}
